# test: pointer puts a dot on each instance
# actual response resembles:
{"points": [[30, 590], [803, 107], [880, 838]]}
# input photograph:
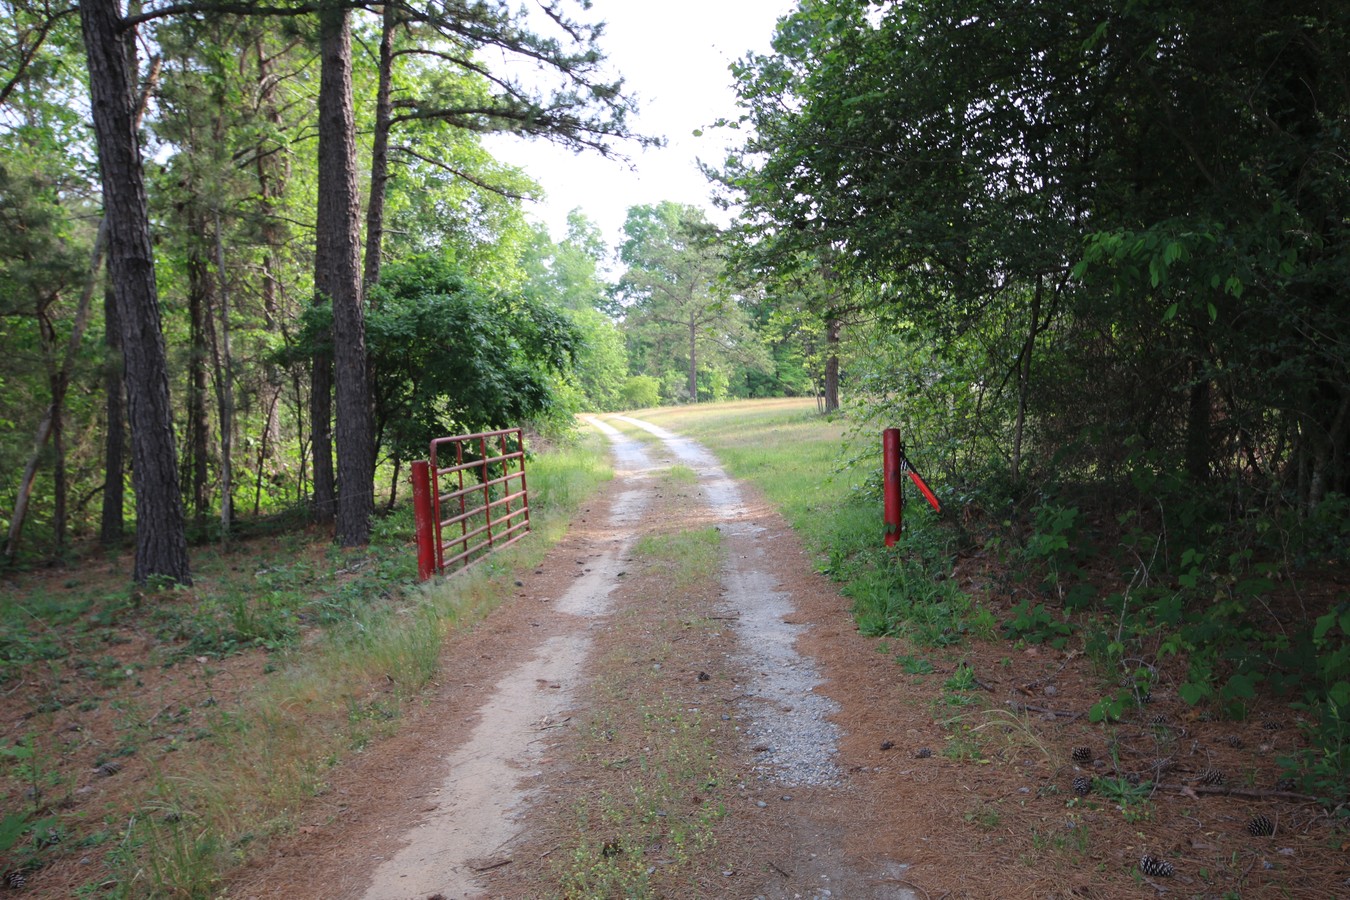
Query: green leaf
{"points": [[1240, 686], [1193, 693], [1339, 695], [1323, 626], [12, 828]]}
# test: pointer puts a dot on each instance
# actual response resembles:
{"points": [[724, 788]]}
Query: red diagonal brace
{"points": [[922, 486]]}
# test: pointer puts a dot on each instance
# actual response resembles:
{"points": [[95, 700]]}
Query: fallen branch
{"points": [[1027, 707], [1251, 793]]}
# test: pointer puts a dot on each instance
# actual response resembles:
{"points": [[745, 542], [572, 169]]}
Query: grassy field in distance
{"points": [[792, 453]]}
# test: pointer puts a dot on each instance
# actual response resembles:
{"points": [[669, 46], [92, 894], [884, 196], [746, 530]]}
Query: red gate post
{"points": [[892, 471], [423, 522]]}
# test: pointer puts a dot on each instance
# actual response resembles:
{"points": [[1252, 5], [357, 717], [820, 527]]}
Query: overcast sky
{"points": [[673, 56]]}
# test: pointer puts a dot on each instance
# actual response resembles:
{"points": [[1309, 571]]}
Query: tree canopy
{"points": [[1136, 211]]}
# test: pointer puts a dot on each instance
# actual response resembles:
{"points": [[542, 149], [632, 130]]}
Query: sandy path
{"points": [[482, 793]]}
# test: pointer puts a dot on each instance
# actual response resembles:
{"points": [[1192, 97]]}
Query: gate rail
{"points": [[485, 505]]}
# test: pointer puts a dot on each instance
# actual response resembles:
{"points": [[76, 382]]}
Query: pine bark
{"points": [[337, 276], [224, 370], [161, 540]]}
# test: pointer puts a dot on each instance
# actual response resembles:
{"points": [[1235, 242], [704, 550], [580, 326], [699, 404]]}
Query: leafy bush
{"points": [[1037, 625], [640, 392], [447, 357]]}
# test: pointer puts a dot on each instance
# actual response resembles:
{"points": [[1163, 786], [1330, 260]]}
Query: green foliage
{"points": [[914, 665], [1055, 543], [567, 274], [448, 358], [895, 591], [1037, 625], [640, 392], [1325, 766], [1149, 300]]}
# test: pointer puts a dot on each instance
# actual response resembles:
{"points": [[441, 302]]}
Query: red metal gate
{"points": [[473, 504]]}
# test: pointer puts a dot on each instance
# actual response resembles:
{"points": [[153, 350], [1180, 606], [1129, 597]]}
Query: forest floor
{"points": [[677, 704]]}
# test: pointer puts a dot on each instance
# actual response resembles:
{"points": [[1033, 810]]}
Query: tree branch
{"points": [[459, 173]]}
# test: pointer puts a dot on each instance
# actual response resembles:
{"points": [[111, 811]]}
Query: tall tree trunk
{"points": [[272, 175], [59, 375], [379, 153], [199, 291], [20, 512], [265, 449], [161, 540], [831, 330], [832, 365], [59, 484], [1024, 379], [224, 365], [337, 275], [112, 526], [693, 358]]}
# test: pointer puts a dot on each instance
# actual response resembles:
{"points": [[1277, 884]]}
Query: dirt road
{"points": [[479, 796]]}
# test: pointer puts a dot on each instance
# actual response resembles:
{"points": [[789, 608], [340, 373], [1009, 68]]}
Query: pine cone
{"points": [[1082, 785], [1211, 776], [1082, 755], [1286, 784], [1260, 826], [1157, 868]]}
